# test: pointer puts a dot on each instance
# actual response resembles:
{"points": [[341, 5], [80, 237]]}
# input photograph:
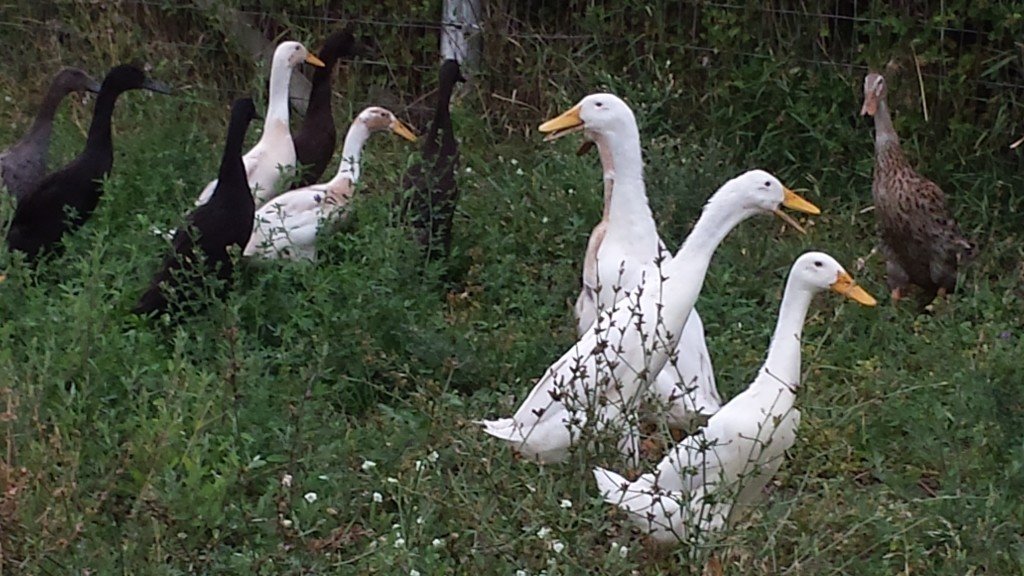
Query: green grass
{"points": [[147, 448]]}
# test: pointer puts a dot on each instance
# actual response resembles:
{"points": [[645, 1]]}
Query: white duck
{"points": [[275, 151], [286, 226], [694, 489], [624, 243], [600, 377]]}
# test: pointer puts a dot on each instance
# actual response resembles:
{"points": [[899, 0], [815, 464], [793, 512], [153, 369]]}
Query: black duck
{"points": [[225, 220], [65, 199], [430, 188], [316, 139]]}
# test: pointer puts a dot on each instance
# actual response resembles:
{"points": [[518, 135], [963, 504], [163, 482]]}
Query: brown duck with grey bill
{"points": [[23, 165], [316, 139], [921, 242]]}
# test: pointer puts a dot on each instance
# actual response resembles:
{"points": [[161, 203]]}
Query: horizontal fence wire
{"points": [[812, 15]]}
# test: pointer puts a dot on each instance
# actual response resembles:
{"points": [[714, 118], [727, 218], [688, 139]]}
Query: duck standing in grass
{"points": [[65, 199], [316, 139], [225, 220], [274, 153], [23, 165], [597, 382], [712, 477], [921, 242], [430, 188], [623, 247], [287, 226]]}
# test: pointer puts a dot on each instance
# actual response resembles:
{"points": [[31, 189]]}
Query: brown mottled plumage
{"points": [[921, 242]]}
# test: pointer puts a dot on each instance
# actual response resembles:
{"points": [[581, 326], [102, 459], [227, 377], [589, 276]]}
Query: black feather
{"points": [[430, 188], [316, 139], [66, 199], [225, 220]]}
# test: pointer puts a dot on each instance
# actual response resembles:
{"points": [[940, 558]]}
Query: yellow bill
{"points": [[402, 130], [845, 285], [566, 123], [793, 201], [312, 59]]}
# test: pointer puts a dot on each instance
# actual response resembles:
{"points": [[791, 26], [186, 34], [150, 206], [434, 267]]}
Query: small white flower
{"points": [[322, 477], [310, 497], [544, 220], [419, 520], [468, 170], [369, 465], [623, 552], [514, 162], [557, 547], [419, 465], [397, 527], [286, 523], [437, 543], [399, 542], [433, 456], [521, 573], [519, 172], [414, 573], [377, 497], [543, 532], [392, 480], [286, 481], [566, 503]]}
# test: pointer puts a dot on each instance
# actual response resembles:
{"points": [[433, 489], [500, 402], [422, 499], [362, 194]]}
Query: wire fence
{"points": [[527, 47]]}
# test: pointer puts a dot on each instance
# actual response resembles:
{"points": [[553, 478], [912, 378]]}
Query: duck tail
{"points": [[503, 428]]}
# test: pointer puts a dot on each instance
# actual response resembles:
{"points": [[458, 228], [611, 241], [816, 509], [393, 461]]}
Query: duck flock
{"points": [[641, 341]]}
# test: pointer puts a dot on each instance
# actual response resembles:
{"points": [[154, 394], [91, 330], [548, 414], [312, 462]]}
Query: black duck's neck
{"points": [[100, 140], [320, 94], [442, 114], [232, 169]]}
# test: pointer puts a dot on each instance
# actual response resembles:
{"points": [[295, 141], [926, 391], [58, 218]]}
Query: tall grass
{"points": [[318, 420]]}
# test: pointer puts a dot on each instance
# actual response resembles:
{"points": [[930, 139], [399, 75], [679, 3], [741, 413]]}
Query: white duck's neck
{"points": [[351, 152], [718, 218], [608, 173], [277, 108], [627, 208], [783, 362], [687, 269]]}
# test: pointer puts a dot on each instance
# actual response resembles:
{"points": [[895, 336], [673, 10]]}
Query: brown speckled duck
{"points": [[921, 242]]}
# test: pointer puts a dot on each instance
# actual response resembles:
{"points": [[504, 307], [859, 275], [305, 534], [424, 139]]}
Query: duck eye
{"points": [[598, 104], [818, 264], [767, 184]]}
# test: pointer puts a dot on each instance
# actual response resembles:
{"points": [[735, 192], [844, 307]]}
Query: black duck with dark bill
{"points": [[316, 139], [430, 188], [65, 199], [200, 248]]}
